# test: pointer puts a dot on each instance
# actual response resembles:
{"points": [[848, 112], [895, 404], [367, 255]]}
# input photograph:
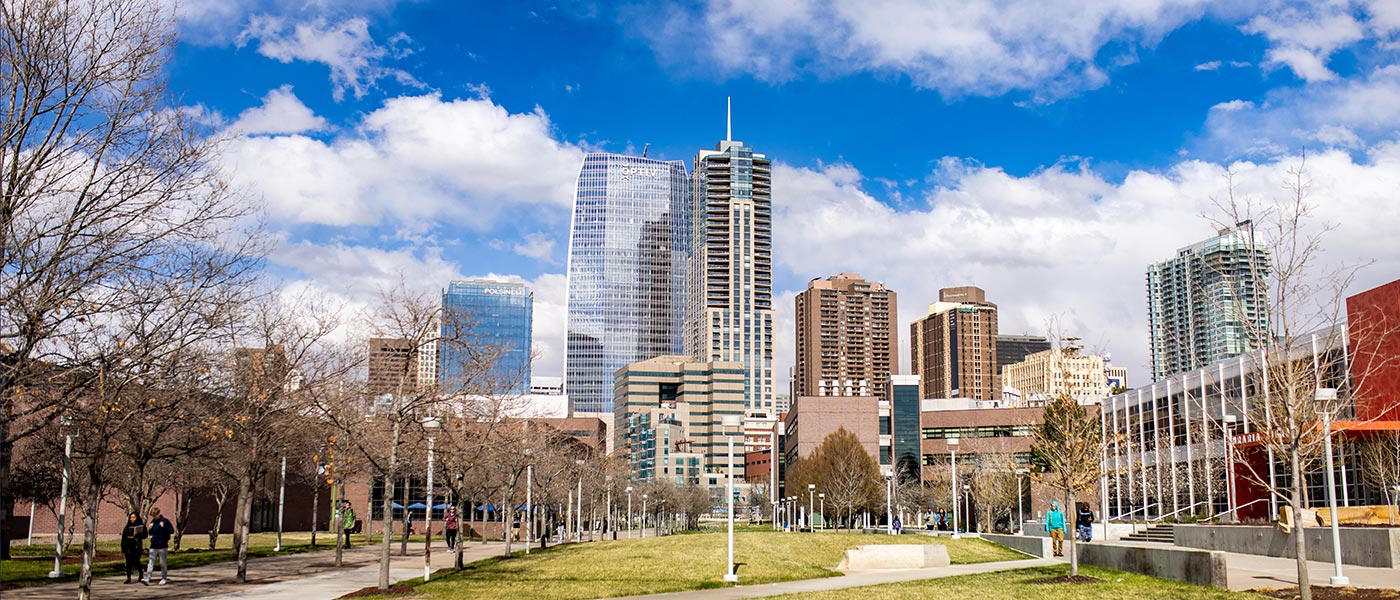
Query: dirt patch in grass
{"points": [[1068, 579], [375, 592], [1332, 593]]}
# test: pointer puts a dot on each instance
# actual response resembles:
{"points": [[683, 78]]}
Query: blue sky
{"points": [[1045, 150]]}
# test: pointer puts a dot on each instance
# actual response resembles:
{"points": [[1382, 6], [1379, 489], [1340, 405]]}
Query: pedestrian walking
{"points": [[896, 526], [133, 536], [1084, 521], [159, 531], [347, 520], [449, 527], [1055, 525]]}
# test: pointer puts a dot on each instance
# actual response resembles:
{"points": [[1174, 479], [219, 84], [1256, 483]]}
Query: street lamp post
{"points": [[430, 426], [822, 497], [578, 519], [629, 512], [731, 422], [281, 502], [529, 501], [889, 504], [811, 504], [1021, 503], [967, 503], [1330, 395], [66, 423], [953, 494]]}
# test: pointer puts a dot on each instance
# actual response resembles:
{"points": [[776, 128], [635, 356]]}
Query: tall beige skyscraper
{"points": [[847, 344], [954, 348], [730, 313]]}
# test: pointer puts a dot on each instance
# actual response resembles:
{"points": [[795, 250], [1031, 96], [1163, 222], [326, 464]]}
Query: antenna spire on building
{"points": [[728, 118]]}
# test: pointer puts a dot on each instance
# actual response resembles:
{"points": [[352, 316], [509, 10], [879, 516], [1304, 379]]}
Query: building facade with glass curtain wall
{"points": [[486, 313], [628, 244]]}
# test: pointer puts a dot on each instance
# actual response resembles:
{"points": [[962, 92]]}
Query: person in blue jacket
{"points": [[159, 531], [1055, 525]]}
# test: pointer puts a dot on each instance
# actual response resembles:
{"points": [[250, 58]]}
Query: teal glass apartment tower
{"points": [[483, 313], [627, 253], [730, 315], [1209, 302]]}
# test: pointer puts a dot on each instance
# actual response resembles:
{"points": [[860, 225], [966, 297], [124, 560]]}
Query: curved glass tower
{"points": [[628, 246]]}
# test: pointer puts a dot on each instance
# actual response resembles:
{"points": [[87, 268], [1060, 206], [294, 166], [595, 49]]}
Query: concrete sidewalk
{"points": [[1251, 571], [848, 581], [310, 575]]}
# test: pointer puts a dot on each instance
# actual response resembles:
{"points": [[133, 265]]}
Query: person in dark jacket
{"points": [[160, 531], [132, 540], [1084, 521]]}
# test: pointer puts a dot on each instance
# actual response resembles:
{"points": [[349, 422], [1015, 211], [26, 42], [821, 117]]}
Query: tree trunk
{"points": [[461, 535], [1073, 555], [315, 507], [90, 510], [220, 497], [388, 517], [182, 517], [403, 543], [338, 524], [1299, 542], [242, 515]]}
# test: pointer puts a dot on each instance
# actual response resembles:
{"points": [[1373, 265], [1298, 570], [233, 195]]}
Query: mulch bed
{"points": [[1068, 579], [1332, 593], [394, 590]]}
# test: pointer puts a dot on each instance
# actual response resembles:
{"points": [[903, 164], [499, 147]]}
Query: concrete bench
{"points": [[894, 556]]}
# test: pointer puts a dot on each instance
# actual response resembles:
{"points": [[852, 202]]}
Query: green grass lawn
{"points": [[1017, 584], [675, 563], [30, 565]]}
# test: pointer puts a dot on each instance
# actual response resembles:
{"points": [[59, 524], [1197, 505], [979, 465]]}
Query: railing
{"points": [[1179, 511], [1213, 517], [1120, 518]]}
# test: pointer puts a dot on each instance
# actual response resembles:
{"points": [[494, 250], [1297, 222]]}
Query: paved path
{"points": [[805, 586], [307, 576], [1250, 571]]}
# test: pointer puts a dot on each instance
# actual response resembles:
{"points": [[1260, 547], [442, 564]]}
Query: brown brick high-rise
{"points": [[955, 346], [847, 344]]}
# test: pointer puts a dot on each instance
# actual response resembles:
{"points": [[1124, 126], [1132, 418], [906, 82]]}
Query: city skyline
{"points": [[1048, 165]]}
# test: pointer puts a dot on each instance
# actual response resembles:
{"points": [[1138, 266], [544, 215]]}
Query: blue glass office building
{"points": [[628, 246], [490, 314]]}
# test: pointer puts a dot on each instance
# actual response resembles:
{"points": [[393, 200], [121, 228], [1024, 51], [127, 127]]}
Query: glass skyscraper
{"points": [[481, 314], [627, 253], [1209, 302], [730, 313]]}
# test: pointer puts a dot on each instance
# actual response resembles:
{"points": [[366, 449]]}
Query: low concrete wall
{"points": [[1119, 530], [894, 556], [1036, 546], [1361, 546], [1200, 567]]}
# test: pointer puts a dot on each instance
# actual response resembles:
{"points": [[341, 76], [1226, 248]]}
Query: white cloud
{"points": [[539, 246], [980, 47], [1340, 113], [356, 62], [416, 160], [1304, 37], [281, 113], [1060, 242], [1208, 66]]}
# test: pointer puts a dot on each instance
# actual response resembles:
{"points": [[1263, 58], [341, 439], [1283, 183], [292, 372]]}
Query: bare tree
{"points": [[995, 486], [1380, 466], [843, 470], [1069, 443], [103, 181]]}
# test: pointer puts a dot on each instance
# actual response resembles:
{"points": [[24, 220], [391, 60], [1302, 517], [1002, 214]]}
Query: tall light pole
{"points": [[1230, 466], [1320, 396], [730, 423], [578, 520], [953, 493], [822, 497], [1021, 503], [889, 504], [66, 424], [811, 505], [430, 426], [529, 500], [629, 512], [281, 502], [967, 503]]}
